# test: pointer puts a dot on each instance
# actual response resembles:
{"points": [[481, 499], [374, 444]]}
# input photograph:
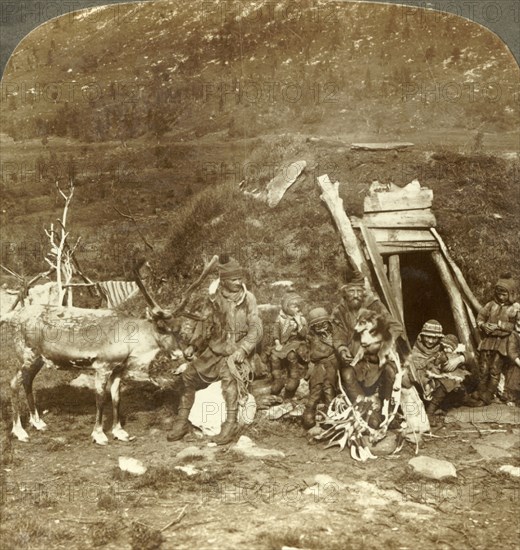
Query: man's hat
{"points": [[353, 278], [229, 268], [432, 328]]}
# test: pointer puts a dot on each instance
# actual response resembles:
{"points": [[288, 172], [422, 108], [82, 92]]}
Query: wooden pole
{"points": [[475, 304], [394, 274], [456, 301], [330, 196]]}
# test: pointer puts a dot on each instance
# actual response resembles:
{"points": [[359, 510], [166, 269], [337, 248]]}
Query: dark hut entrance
{"points": [[414, 272], [424, 295]]}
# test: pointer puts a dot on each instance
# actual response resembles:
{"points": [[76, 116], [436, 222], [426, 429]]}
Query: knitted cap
{"points": [[432, 328], [509, 284], [230, 270], [450, 341], [317, 315], [290, 298]]}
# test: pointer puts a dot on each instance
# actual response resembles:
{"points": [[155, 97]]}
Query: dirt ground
{"points": [[62, 491]]}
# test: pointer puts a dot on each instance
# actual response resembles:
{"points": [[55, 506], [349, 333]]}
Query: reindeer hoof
{"points": [[100, 438], [21, 435], [38, 424], [121, 435]]}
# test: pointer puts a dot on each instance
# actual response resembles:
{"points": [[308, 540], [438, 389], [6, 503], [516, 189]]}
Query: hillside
{"points": [[161, 109]]}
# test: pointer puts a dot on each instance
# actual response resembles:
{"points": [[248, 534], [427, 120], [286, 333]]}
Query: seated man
{"points": [[354, 298], [372, 372], [232, 329]]}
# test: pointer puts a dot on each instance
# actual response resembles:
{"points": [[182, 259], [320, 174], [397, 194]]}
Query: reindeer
{"points": [[109, 343]]}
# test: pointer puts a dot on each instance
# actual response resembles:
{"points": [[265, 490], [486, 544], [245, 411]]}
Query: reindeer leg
{"points": [[17, 430], [102, 376], [27, 381], [117, 429]]}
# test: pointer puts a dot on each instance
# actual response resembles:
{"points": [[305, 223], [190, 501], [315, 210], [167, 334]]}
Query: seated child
{"points": [[323, 371], [289, 333]]}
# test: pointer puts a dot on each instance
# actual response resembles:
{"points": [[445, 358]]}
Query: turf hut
{"points": [[396, 245]]}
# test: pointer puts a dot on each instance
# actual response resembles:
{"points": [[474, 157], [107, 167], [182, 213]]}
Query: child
{"points": [[445, 372], [495, 322], [512, 383], [323, 353], [289, 333]]}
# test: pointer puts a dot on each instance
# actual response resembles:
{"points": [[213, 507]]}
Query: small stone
{"points": [[188, 469], [513, 471], [433, 468], [132, 465], [249, 449]]}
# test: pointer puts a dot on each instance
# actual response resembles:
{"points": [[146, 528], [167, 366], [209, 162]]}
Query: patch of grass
{"points": [[144, 537], [107, 501], [104, 532], [298, 538]]}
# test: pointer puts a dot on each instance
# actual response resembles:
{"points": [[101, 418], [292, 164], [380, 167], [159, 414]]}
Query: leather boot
{"points": [[228, 433], [180, 427], [294, 381], [278, 382], [309, 417], [230, 428], [438, 397]]}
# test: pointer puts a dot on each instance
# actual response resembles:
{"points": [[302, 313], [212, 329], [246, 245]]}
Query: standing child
{"points": [[495, 322], [289, 333], [512, 385]]}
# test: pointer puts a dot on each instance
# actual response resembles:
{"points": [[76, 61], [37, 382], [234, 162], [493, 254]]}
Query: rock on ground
{"points": [[494, 446], [249, 449], [433, 468]]}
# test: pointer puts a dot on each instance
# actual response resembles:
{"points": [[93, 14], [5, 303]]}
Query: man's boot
{"points": [[181, 425], [230, 427], [228, 432]]}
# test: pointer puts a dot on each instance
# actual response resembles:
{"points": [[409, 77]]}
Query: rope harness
{"points": [[243, 373]]}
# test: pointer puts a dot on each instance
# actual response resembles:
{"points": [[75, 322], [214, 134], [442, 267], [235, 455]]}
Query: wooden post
{"points": [[330, 196], [456, 301], [475, 304], [394, 273]]}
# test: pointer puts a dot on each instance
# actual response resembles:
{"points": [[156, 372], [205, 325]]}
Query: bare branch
{"points": [[130, 217]]}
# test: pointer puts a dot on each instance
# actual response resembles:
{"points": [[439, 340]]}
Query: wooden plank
{"points": [[405, 218], [403, 235], [384, 202], [466, 291], [384, 146], [457, 303], [404, 248], [330, 196], [394, 275], [379, 268]]}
